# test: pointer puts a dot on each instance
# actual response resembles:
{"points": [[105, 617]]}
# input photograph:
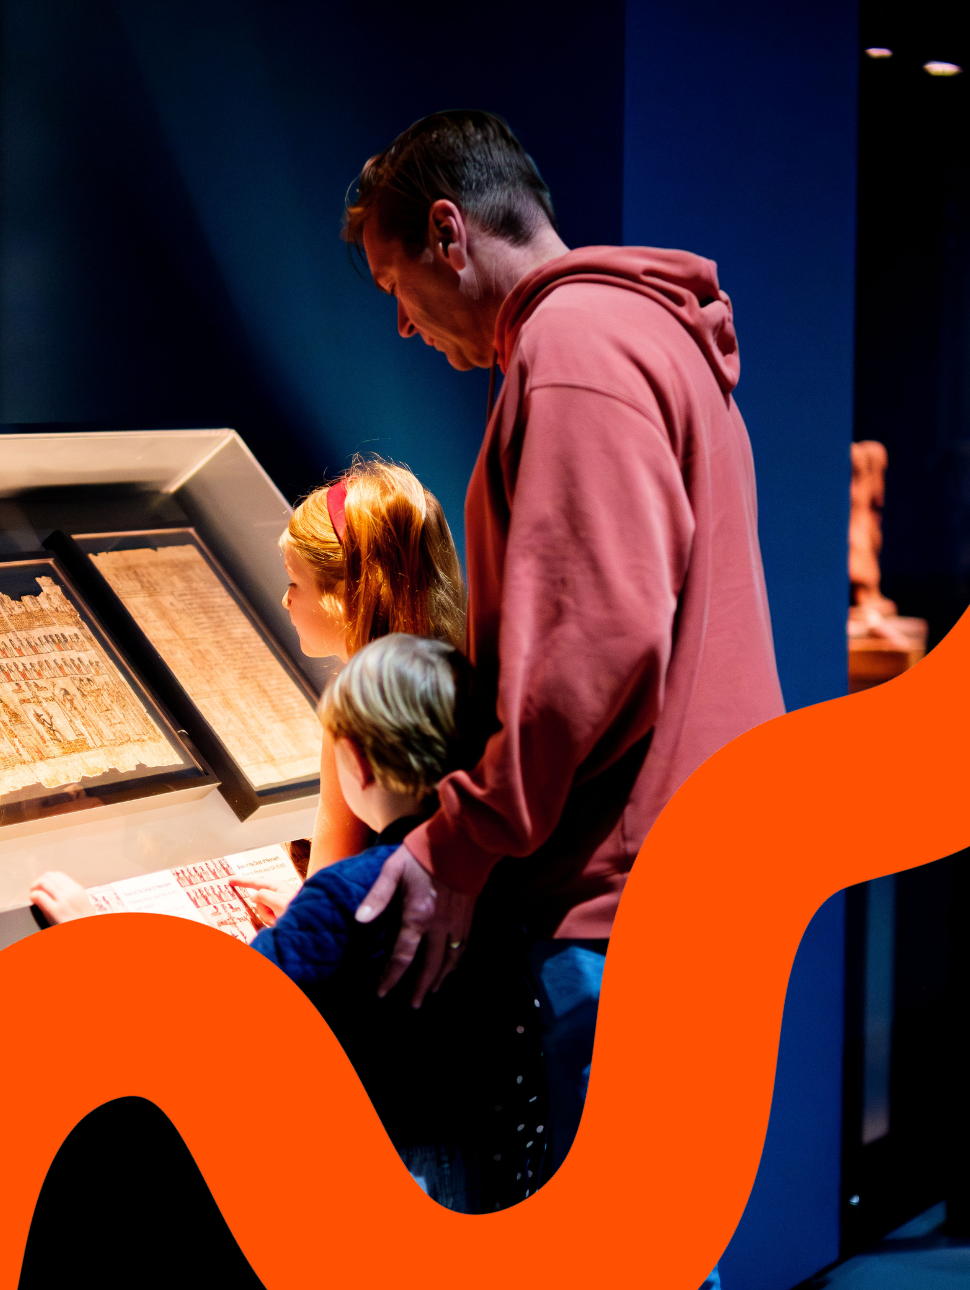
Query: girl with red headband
{"points": [[369, 556], [366, 556]]}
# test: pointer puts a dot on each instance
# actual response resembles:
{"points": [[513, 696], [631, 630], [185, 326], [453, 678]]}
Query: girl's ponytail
{"points": [[394, 567]]}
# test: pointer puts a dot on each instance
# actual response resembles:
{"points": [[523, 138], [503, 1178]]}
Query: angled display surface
{"points": [[196, 639], [77, 730], [93, 480]]}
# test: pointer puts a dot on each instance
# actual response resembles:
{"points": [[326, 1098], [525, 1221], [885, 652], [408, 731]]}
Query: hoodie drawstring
{"points": [[491, 389]]}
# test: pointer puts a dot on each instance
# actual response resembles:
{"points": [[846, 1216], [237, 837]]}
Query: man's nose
{"points": [[405, 326]]}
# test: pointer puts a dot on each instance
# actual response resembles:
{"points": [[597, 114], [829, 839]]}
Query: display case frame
{"points": [[210, 734], [85, 477], [57, 662]]}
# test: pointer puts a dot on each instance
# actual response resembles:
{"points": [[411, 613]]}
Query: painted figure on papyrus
{"points": [[66, 712]]}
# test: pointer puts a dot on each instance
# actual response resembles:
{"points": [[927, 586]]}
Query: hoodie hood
{"points": [[684, 284]]}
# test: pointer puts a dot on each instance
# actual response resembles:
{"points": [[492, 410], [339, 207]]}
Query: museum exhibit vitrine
{"points": [[205, 892], [77, 729], [189, 631], [207, 494]]}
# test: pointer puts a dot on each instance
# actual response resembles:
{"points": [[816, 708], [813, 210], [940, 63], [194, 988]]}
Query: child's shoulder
{"points": [[310, 940], [349, 879]]}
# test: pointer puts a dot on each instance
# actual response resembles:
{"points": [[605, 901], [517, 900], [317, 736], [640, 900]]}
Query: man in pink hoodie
{"points": [[618, 613]]}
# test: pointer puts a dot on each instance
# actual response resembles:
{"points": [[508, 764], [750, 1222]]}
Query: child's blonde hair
{"points": [[396, 569], [402, 700]]}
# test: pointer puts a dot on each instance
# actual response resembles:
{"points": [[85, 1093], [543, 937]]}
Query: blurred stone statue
{"points": [[876, 631], [867, 494]]}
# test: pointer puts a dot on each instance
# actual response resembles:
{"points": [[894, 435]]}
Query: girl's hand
{"points": [[60, 899], [271, 901]]}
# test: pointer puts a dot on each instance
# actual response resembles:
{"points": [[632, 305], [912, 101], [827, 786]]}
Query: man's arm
{"points": [[597, 549], [598, 546]]}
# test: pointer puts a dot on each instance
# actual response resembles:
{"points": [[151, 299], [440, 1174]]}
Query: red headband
{"points": [[336, 499]]}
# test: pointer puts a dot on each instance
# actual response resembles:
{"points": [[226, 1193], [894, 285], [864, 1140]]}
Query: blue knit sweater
{"points": [[310, 943], [463, 1070]]}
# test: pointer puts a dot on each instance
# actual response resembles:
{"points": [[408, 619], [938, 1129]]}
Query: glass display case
{"points": [[194, 638], [78, 730], [119, 482]]}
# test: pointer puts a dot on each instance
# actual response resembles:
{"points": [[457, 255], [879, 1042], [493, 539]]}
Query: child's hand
{"points": [[271, 901], [60, 899]]}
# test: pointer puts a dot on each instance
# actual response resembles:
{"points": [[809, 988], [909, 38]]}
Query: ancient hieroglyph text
{"points": [[66, 712], [203, 892], [260, 714]]}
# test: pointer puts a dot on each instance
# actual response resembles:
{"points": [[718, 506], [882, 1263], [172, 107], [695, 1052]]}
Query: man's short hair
{"points": [[470, 158], [402, 699]]}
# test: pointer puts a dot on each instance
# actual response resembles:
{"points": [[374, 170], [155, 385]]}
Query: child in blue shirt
{"points": [[458, 1082]]}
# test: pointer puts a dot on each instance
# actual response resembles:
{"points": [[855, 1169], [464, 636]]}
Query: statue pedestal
{"points": [[880, 647], [872, 661]]}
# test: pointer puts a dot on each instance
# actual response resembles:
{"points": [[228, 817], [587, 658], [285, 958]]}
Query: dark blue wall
{"points": [[741, 145], [173, 191], [171, 195]]}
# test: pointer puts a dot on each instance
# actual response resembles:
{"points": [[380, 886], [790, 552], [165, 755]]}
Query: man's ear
{"points": [[448, 234], [355, 761]]}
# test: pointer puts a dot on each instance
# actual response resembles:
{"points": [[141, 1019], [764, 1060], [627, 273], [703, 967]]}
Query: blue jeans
{"points": [[569, 975], [446, 1174]]}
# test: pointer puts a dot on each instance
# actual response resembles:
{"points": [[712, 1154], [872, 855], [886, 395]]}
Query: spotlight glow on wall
{"points": [[877, 51], [942, 69]]}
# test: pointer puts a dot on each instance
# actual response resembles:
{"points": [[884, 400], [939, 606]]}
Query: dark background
{"points": [[172, 192], [170, 198], [913, 305]]}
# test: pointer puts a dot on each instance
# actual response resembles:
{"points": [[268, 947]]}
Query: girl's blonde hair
{"points": [[396, 569], [402, 699]]}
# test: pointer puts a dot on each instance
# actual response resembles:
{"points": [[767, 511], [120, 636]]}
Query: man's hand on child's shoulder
{"points": [[60, 899], [432, 912]]}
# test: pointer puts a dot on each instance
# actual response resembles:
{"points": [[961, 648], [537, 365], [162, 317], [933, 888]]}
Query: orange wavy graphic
{"points": [[718, 901]]}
